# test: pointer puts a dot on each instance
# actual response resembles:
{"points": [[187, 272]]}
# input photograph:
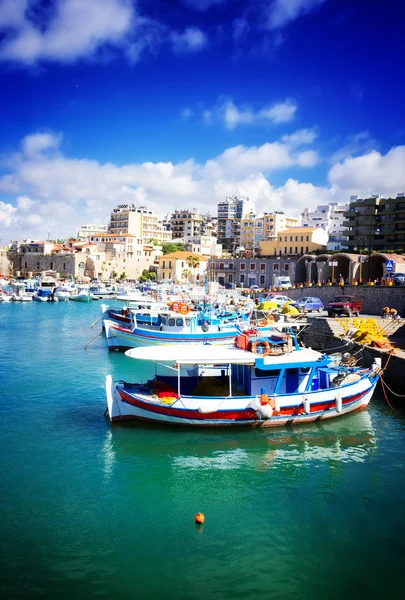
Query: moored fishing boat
{"points": [[151, 328], [231, 386]]}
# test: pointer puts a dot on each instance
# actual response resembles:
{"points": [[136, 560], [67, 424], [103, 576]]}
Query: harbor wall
{"points": [[324, 335], [373, 298]]}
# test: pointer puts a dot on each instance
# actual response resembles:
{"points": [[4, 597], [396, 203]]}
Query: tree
{"points": [[170, 247], [193, 262], [186, 274]]}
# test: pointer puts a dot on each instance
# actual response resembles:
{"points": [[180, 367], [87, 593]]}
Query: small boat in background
{"points": [[62, 293], [44, 295], [80, 294]]}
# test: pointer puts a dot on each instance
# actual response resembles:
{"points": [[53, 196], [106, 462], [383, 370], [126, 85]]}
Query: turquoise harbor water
{"points": [[88, 509]]}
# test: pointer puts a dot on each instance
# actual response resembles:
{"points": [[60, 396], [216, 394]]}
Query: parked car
{"points": [[309, 303], [279, 299], [344, 305]]}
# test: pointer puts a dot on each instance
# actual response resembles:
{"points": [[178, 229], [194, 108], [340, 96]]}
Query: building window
{"points": [[286, 266], [307, 238], [291, 250], [51, 265], [306, 249], [221, 265], [252, 267], [262, 279], [242, 266], [38, 265], [164, 265], [262, 266], [230, 266], [302, 238], [296, 238], [285, 249], [276, 267], [296, 249], [242, 279], [25, 265]]}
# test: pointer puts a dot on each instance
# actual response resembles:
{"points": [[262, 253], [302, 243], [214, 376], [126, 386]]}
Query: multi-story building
{"points": [[295, 241], [86, 231], [376, 223], [230, 213], [255, 229], [179, 267], [275, 222], [331, 218], [251, 232], [138, 222], [186, 224]]}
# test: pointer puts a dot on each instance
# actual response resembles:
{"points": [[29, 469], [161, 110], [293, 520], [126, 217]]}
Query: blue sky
{"points": [[175, 104]]}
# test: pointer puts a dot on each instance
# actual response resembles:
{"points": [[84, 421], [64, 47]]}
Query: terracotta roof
{"points": [[183, 255]]}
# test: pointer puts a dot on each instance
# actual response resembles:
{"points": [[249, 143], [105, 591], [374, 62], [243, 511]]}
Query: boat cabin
{"points": [[209, 371]]}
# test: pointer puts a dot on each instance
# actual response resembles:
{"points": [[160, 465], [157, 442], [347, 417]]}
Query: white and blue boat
{"points": [[271, 382], [147, 328]]}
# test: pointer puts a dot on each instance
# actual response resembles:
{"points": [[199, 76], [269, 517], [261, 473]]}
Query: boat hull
{"points": [[126, 405]]}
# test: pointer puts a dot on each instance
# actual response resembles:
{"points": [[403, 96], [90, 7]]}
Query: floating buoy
{"points": [[199, 518]]}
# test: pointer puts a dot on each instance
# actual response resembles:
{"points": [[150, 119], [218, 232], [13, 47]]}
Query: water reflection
{"points": [[348, 439]]}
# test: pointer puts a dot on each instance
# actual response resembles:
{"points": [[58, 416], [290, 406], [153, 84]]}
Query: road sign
{"points": [[333, 263], [389, 265]]}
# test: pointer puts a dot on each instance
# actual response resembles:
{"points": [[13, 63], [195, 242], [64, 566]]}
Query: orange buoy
{"points": [[199, 518], [175, 307]]}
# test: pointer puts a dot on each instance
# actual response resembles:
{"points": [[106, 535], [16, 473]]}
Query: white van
{"points": [[283, 281]]}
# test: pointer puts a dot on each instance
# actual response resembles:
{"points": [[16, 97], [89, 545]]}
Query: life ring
{"points": [[175, 307], [184, 309], [261, 347], [262, 323]]}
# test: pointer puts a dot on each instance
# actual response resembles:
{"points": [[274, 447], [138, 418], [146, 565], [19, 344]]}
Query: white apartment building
{"points": [[139, 222], [186, 224], [330, 217], [86, 231], [230, 213]]}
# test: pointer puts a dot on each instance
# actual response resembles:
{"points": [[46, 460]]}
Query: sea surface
{"points": [[94, 510]]}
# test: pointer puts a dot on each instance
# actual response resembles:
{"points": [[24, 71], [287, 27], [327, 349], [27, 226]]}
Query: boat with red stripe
{"points": [[225, 386]]}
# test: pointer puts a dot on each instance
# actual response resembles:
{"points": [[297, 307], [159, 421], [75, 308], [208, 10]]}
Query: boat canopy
{"points": [[205, 354]]}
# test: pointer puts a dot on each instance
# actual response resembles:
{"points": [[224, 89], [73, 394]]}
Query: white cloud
{"points": [[279, 112], [75, 28], [56, 193], [191, 40], [372, 173], [37, 143], [281, 12], [355, 144], [283, 112], [7, 212], [300, 138]]}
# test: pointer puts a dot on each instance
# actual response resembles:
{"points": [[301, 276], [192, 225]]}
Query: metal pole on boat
{"points": [[178, 379], [230, 379]]}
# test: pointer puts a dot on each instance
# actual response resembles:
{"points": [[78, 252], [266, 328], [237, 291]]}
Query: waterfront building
{"points": [[244, 272], [230, 213], [295, 241], [139, 222], [275, 222], [180, 267], [376, 224], [331, 218], [86, 231]]}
